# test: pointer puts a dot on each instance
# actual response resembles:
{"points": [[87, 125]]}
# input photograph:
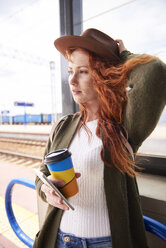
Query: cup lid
{"points": [[57, 156]]}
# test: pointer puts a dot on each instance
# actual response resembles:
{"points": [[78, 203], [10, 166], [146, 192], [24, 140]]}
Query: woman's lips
{"points": [[76, 92]]}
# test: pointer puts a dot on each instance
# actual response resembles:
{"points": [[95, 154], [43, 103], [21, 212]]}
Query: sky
{"points": [[28, 29]]}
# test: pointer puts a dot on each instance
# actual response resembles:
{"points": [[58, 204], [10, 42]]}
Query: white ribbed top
{"points": [[90, 217]]}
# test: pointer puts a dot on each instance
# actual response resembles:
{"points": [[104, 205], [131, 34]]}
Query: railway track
{"points": [[24, 141], [20, 159], [22, 149], [31, 147], [24, 135]]}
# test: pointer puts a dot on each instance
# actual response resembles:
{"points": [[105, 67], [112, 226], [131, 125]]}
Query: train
{"points": [[46, 118], [26, 119]]}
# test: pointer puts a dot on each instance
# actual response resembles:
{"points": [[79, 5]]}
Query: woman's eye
{"points": [[70, 72], [83, 72]]}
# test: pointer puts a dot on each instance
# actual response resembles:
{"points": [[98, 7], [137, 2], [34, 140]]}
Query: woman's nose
{"points": [[73, 79]]}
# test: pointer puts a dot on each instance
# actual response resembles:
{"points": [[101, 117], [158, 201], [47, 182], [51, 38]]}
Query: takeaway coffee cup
{"points": [[60, 165]]}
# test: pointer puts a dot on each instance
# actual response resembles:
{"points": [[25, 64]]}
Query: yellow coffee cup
{"points": [[60, 165]]}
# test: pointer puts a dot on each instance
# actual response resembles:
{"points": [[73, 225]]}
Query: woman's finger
{"points": [[56, 201], [52, 198], [77, 174], [56, 182], [120, 45], [118, 41]]}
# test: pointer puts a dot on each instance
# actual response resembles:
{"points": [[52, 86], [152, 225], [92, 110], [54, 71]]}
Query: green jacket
{"points": [[146, 100]]}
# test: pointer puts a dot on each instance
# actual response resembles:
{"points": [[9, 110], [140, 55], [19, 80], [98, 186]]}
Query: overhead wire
{"points": [[16, 54], [106, 11], [2, 20]]}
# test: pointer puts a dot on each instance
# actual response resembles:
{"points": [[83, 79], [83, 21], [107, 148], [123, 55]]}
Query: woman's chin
{"points": [[78, 101]]}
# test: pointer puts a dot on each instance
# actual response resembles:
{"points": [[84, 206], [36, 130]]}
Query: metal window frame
{"points": [[152, 164], [70, 24]]}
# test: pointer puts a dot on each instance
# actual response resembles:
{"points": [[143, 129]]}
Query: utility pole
{"points": [[53, 92]]}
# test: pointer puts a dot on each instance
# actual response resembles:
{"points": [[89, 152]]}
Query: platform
{"points": [[24, 205], [26, 128]]}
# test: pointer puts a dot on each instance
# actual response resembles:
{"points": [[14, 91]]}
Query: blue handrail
{"points": [[9, 210], [151, 225], [155, 227]]}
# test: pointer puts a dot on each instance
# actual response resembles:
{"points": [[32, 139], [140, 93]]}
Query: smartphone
{"points": [[50, 184]]}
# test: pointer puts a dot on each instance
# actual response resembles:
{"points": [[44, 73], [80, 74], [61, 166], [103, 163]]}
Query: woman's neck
{"points": [[91, 111], [91, 118], [92, 114]]}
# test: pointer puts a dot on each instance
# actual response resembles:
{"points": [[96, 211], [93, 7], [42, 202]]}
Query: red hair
{"points": [[110, 82]]}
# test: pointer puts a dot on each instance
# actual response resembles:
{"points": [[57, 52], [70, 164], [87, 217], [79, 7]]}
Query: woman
{"points": [[112, 124]]}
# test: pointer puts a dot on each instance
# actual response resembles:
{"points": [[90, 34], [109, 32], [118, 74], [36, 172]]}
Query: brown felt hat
{"points": [[93, 40]]}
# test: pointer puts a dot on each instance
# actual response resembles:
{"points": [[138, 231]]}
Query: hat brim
{"points": [[65, 42]]}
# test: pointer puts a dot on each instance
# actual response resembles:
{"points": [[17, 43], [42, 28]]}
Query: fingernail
{"points": [[61, 184]]}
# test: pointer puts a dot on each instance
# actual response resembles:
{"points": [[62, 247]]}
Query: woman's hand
{"points": [[120, 45], [51, 196]]}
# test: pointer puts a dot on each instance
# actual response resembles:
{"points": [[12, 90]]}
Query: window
{"points": [[141, 25]]}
